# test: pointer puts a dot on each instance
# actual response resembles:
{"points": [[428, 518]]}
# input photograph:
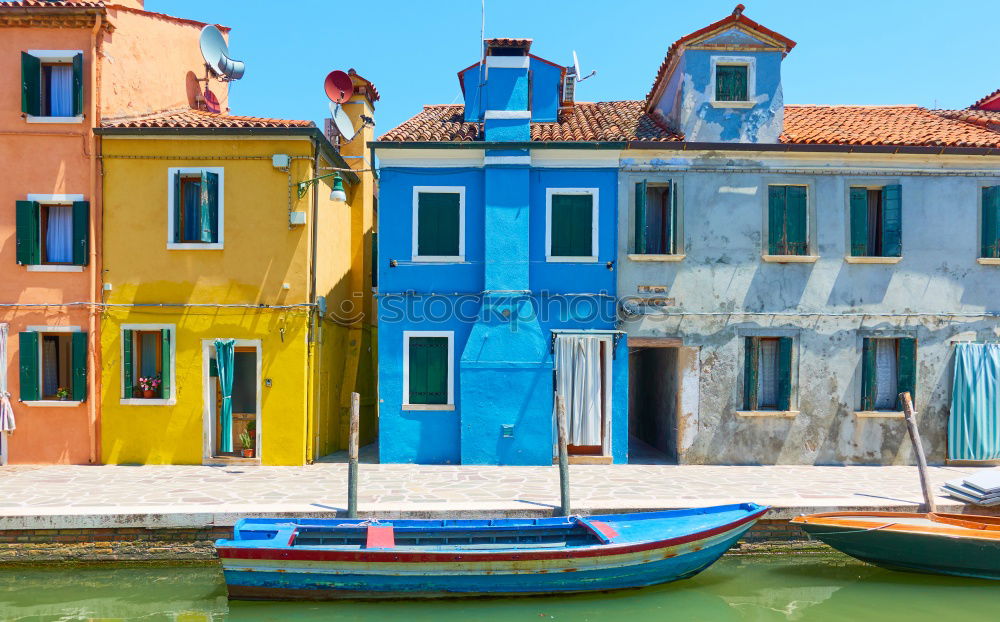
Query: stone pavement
{"points": [[58, 497]]}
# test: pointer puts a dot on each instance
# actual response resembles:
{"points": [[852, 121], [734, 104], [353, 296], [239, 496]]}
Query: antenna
{"points": [[215, 51], [579, 71]]}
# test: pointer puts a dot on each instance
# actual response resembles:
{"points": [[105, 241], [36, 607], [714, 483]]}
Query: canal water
{"points": [[807, 588]]}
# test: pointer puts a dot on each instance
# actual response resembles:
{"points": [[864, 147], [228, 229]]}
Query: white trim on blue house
{"points": [[450, 335], [460, 191], [747, 61], [594, 242]]}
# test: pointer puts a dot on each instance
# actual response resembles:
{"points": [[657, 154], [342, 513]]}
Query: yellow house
{"points": [[236, 289]]}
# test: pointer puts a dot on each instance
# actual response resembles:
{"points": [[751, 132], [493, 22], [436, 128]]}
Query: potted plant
{"points": [[62, 393], [149, 386], [247, 444], [252, 430]]}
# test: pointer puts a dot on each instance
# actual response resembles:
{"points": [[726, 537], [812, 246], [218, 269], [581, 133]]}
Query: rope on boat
{"points": [[835, 533]]}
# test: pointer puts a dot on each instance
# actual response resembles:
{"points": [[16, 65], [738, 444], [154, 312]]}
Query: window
{"points": [[990, 222], [876, 219], [732, 83], [888, 368], [438, 223], [196, 214], [52, 83], [571, 219], [787, 221], [53, 366], [428, 369], [54, 231], [147, 370], [656, 219], [767, 379]]}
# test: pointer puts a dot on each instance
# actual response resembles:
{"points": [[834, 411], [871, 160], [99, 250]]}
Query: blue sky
{"points": [[919, 52]]}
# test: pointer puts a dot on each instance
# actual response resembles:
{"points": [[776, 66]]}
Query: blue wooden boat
{"points": [[320, 559]]}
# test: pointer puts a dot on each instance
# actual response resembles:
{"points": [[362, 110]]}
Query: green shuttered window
{"points": [[51, 362], [428, 370], [990, 222], [146, 353], [787, 220], [656, 219], [888, 368], [52, 233], [767, 373], [731, 83], [439, 222], [52, 87], [876, 221], [571, 226]]}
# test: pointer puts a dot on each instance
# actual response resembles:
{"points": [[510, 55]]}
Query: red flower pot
{"points": [[248, 453], [148, 393]]}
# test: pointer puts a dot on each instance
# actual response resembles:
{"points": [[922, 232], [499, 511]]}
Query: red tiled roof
{"points": [[374, 91], [603, 121], [818, 125], [989, 119], [987, 98], [736, 17], [507, 42], [31, 4], [195, 119]]}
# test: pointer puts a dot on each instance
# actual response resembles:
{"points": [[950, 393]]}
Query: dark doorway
{"points": [[652, 413]]}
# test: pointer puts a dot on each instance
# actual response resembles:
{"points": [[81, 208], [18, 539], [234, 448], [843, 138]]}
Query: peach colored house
{"points": [[65, 66]]}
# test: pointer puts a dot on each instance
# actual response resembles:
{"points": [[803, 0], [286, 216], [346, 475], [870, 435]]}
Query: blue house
{"points": [[497, 258]]}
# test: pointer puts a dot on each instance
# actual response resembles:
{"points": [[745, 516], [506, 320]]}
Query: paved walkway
{"points": [[150, 496]]}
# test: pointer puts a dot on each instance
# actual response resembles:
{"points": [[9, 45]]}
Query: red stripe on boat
{"points": [[606, 529], [380, 538], [389, 556]]}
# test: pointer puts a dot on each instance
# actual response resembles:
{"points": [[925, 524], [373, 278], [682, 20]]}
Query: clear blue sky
{"points": [[923, 52]]}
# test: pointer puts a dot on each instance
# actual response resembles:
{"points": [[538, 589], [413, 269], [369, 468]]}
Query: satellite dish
{"points": [[216, 54], [579, 72], [342, 121], [338, 86], [211, 102]]}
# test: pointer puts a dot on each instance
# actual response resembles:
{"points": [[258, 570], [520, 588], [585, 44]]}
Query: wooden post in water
{"points": [[918, 447], [563, 458], [352, 457]]}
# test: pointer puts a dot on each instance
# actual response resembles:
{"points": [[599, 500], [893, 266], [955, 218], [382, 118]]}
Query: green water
{"points": [[756, 589]]}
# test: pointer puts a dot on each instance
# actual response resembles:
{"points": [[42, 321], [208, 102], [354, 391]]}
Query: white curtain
{"points": [[61, 91], [885, 374], [6, 412], [59, 235], [578, 383], [767, 374]]}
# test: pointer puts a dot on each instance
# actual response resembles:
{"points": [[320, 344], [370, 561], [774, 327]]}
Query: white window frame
{"points": [[51, 330], [163, 401], [407, 334], [745, 61], [54, 56], [208, 399], [594, 227], [55, 199], [195, 246], [460, 191]]}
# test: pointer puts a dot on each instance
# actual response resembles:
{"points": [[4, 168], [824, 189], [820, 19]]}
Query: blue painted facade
{"points": [[501, 301]]}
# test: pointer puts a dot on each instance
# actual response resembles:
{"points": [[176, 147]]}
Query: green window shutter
{"points": [[750, 366], [572, 225], [428, 370], [991, 222], [30, 378], [796, 221], [81, 233], [165, 363], [78, 84], [906, 368], [438, 216], [868, 374], [177, 207], [79, 357], [29, 249], [775, 220], [128, 360], [785, 373], [640, 217], [892, 220], [31, 80], [731, 83], [673, 222], [208, 207], [859, 222]]}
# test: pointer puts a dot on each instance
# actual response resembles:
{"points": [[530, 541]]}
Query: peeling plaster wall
{"points": [[723, 220]]}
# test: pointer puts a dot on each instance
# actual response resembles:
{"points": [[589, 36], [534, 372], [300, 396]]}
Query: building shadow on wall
{"points": [[776, 287], [861, 284]]}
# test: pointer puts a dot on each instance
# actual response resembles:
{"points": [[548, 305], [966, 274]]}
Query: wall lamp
{"points": [[336, 194]]}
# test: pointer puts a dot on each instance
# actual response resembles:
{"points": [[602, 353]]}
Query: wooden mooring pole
{"points": [[564, 509], [918, 447], [352, 457]]}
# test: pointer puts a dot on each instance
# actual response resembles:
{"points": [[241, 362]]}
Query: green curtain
{"points": [[224, 355], [974, 424]]}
